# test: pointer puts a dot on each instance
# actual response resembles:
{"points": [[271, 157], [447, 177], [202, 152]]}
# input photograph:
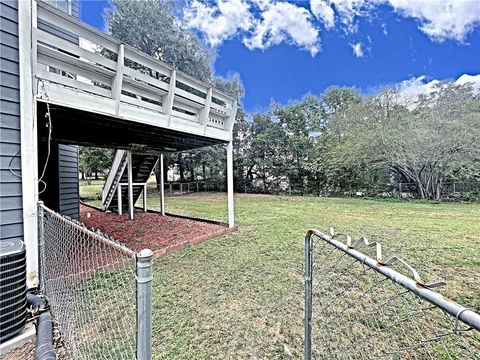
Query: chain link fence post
{"points": [[144, 279], [308, 296]]}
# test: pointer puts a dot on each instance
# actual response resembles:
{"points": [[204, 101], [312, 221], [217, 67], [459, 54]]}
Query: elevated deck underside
{"points": [[78, 127]]}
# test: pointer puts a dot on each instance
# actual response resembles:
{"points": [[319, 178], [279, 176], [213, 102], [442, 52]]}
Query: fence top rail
{"points": [[88, 232], [415, 285]]}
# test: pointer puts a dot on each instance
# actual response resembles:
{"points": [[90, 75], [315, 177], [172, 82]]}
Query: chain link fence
{"points": [[99, 291], [360, 307]]}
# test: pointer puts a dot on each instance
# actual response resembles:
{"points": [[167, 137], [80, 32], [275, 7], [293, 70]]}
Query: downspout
{"points": [[44, 349]]}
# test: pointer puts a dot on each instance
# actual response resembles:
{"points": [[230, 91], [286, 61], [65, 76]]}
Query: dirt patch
{"points": [[27, 350], [162, 234]]}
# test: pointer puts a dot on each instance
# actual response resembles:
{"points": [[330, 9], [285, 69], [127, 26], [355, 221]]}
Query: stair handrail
{"points": [[109, 182]]}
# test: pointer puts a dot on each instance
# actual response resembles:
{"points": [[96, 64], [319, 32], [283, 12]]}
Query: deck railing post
{"points": [[206, 110], [118, 80], [168, 105], [144, 262]]}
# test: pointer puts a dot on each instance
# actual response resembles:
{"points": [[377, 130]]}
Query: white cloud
{"points": [[347, 10], [441, 20], [357, 49], [261, 24], [219, 22], [270, 23], [410, 89], [438, 19], [323, 12], [284, 22], [474, 80]]}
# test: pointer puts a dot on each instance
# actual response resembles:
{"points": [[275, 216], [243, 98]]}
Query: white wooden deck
{"points": [[104, 76]]}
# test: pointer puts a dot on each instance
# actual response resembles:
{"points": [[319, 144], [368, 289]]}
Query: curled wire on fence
{"points": [[359, 307], [379, 257]]}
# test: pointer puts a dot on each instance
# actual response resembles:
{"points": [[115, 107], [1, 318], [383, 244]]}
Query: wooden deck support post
{"points": [[119, 199], [145, 197], [130, 186], [162, 187], [231, 217], [27, 46]]}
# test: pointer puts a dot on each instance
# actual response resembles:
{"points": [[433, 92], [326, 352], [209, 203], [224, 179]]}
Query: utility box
{"points": [[13, 287]]}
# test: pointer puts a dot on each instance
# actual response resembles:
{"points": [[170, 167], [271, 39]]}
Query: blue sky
{"points": [[326, 43]]}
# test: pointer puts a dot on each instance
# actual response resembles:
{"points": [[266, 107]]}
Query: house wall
{"points": [[11, 209], [68, 180]]}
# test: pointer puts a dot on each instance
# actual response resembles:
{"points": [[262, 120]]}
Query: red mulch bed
{"points": [[162, 234]]}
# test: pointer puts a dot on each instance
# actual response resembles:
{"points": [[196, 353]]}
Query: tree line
{"points": [[342, 143]]}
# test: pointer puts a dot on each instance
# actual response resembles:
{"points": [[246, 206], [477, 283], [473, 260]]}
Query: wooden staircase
{"points": [[142, 166]]}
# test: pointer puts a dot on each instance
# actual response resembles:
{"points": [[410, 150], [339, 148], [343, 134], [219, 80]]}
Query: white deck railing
{"points": [[103, 75]]}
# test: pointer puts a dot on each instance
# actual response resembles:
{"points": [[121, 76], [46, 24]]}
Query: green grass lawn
{"points": [[241, 296]]}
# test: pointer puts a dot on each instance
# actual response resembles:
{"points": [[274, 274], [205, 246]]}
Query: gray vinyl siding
{"points": [[75, 9], [11, 210], [68, 180], [55, 30]]}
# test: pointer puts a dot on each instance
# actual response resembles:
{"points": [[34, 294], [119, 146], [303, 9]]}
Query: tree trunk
{"points": [[181, 168]]}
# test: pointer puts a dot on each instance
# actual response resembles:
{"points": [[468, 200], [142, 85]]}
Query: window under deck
{"points": [[94, 81]]}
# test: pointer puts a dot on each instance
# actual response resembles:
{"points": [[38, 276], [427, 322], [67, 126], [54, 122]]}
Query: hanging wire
{"points": [[49, 141], [48, 116]]}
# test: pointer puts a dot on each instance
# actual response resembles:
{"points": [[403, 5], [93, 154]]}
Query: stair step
{"points": [[142, 166]]}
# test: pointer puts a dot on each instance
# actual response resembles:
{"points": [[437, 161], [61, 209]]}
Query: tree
{"points": [[94, 160], [424, 144], [152, 27]]}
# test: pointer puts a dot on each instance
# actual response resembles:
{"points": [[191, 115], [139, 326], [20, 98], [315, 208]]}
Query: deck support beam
{"points": [[162, 187], [130, 185], [231, 216]]}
